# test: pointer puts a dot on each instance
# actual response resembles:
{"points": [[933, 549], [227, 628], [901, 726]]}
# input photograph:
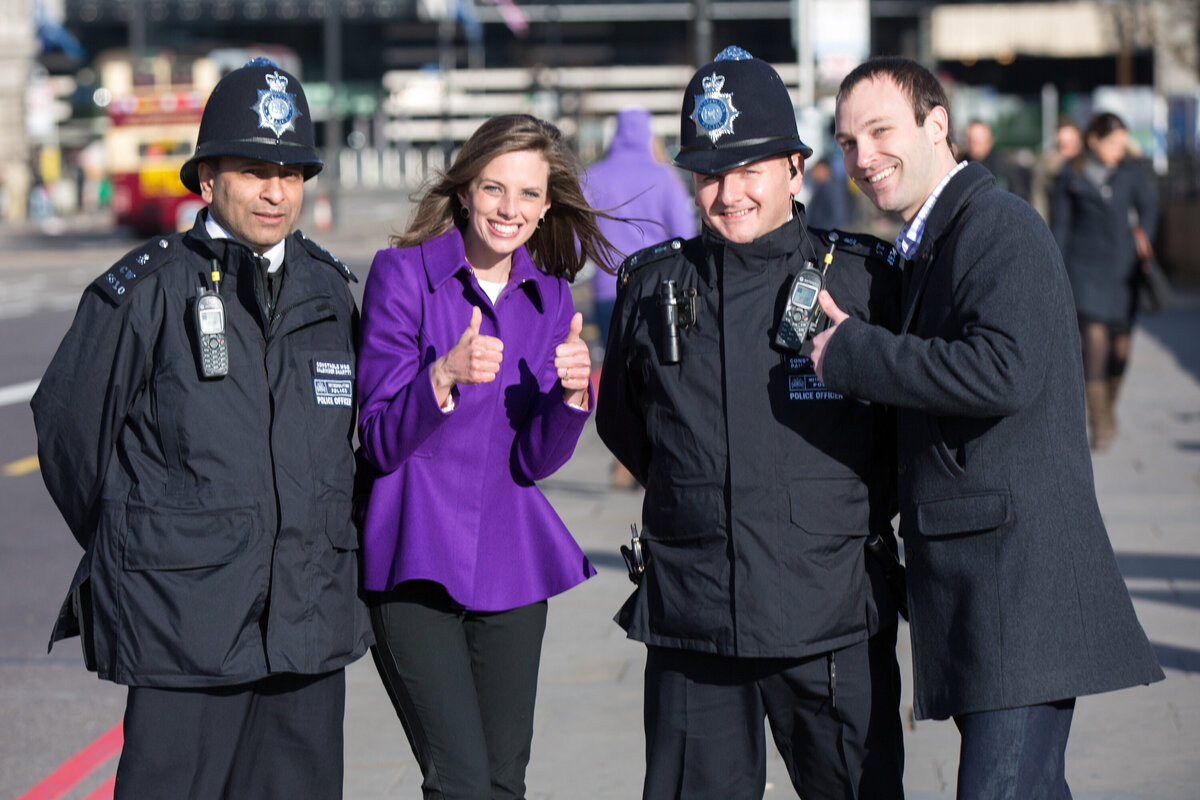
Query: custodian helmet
{"points": [[736, 110], [258, 111]]}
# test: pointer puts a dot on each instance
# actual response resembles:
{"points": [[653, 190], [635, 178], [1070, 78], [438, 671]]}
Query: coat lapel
{"points": [[916, 276], [962, 187]]}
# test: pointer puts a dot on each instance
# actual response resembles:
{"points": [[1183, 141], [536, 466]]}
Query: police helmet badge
{"points": [[714, 112], [276, 106]]}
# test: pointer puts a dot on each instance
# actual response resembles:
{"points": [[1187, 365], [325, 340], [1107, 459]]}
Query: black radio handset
{"points": [[212, 348], [802, 312]]}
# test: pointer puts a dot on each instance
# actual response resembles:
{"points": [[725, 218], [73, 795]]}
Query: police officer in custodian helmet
{"points": [[759, 597], [194, 429]]}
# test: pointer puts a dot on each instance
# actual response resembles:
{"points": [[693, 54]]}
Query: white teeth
{"points": [[505, 229], [741, 213], [881, 176]]}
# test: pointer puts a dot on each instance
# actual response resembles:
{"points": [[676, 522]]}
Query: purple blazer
{"points": [[455, 501]]}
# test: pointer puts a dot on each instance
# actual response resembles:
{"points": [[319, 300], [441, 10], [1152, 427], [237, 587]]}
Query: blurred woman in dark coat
{"points": [[1103, 215]]}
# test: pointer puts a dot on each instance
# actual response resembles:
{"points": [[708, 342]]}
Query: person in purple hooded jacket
{"points": [[474, 383], [649, 196], [653, 205]]}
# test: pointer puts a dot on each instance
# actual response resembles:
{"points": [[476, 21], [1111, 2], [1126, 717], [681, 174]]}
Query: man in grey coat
{"points": [[1017, 606]]}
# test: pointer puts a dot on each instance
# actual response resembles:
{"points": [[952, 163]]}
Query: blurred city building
{"points": [[396, 85], [17, 49]]}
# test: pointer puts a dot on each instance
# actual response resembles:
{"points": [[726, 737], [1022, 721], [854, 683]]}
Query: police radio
{"points": [[802, 312], [212, 349], [677, 311]]}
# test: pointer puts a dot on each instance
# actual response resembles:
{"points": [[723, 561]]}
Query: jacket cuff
{"points": [[840, 355]]}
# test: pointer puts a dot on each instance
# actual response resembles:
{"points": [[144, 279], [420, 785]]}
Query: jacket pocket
{"points": [[336, 617], [831, 507], [687, 575], [339, 524], [678, 513], [945, 446], [821, 560], [185, 539], [191, 594], [965, 514]]}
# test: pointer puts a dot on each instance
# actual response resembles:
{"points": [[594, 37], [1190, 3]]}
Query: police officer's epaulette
{"points": [[862, 244], [646, 256], [132, 267], [321, 254]]}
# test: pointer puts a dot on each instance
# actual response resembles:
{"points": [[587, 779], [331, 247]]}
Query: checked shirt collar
{"points": [[910, 235]]}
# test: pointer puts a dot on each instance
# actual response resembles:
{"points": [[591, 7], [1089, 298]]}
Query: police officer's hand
{"points": [[475, 358], [573, 361], [819, 342]]}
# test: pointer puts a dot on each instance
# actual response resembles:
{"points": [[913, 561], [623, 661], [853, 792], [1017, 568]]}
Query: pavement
{"points": [[588, 743]]}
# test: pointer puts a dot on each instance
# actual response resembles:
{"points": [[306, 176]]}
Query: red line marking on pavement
{"points": [[78, 767], [104, 791]]}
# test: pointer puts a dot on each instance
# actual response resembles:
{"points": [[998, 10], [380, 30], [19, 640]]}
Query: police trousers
{"points": [[834, 719], [279, 738]]}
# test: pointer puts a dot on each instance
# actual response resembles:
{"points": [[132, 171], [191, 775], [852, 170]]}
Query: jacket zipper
{"points": [[832, 658]]}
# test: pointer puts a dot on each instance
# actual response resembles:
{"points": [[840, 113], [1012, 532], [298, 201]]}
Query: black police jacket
{"points": [[214, 514], [761, 484]]}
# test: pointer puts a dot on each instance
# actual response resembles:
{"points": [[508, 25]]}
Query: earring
{"points": [[540, 221], [466, 212]]}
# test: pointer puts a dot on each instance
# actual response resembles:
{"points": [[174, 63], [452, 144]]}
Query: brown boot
{"points": [[1100, 421], [1114, 389]]}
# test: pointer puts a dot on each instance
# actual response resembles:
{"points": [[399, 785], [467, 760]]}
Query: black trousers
{"points": [[463, 684], [834, 718], [279, 738]]}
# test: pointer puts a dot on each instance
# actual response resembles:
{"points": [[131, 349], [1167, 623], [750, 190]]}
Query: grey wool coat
{"points": [[1014, 591]]}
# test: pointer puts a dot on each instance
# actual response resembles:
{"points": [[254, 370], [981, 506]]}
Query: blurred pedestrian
{"points": [[474, 384], [980, 146], [650, 204], [764, 491], [829, 207], [1104, 216], [1068, 142], [647, 198], [1016, 602], [195, 429]]}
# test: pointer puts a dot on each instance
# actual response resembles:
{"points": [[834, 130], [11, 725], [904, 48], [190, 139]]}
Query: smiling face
{"points": [[506, 200], [895, 161], [750, 201], [255, 201]]}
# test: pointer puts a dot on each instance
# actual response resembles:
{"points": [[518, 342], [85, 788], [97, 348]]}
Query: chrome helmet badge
{"points": [[276, 107], [714, 112]]}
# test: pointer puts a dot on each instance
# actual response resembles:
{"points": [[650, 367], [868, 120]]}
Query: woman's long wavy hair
{"points": [[568, 236]]}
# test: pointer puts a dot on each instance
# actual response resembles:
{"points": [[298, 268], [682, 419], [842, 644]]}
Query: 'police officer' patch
{"points": [[803, 384], [333, 382]]}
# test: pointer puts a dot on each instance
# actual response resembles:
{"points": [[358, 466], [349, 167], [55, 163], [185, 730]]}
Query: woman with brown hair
{"points": [[474, 383], [1103, 215]]}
